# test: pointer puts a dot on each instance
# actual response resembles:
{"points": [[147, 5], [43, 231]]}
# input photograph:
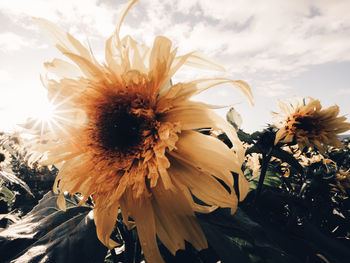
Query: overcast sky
{"points": [[281, 48]]}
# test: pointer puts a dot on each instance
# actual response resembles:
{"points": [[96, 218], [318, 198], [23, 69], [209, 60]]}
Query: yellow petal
{"points": [[200, 61], [204, 186], [61, 202], [160, 61], [89, 69], [189, 89], [62, 69], [63, 39], [195, 115], [142, 212], [175, 219], [207, 153], [105, 217]]}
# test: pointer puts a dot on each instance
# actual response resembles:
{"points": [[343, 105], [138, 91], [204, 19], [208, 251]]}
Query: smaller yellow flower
{"points": [[4, 159], [254, 164], [310, 125], [343, 180]]}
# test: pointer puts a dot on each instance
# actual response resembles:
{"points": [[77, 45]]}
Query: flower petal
{"points": [[175, 219], [141, 211], [203, 185], [105, 217], [207, 153], [62, 39], [62, 68]]}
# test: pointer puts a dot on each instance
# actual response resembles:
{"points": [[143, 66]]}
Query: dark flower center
{"points": [[120, 129], [2, 157], [306, 124]]}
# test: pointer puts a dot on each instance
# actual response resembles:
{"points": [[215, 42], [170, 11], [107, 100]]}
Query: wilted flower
{"points": [[343, 180], [253, 162], [125, 136], [5, 159], [309, 125]]}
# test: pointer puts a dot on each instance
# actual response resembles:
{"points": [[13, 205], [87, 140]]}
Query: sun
{"points": [[45, 115], [45, 111]]}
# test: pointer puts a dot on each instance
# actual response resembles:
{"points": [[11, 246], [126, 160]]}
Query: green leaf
{"points": [[245, 137], [223, 245], [47, 234], [13, 179], [8, 195], [239, 225], [234, 118], [272, 179], [254, 149]]}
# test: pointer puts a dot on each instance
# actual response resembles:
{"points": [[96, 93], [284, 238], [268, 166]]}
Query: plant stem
{"points": [[128, 243], [266, 160]]}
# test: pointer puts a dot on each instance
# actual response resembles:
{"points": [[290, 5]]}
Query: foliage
{"points": [[297, 211]]}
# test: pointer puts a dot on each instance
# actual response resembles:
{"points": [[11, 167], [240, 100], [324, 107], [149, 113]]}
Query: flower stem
{"points": [[266, 160], [128, 242]]}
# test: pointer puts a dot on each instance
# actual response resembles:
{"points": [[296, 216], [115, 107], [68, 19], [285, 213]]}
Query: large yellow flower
{"points": [[309, 124], [126, 137]]}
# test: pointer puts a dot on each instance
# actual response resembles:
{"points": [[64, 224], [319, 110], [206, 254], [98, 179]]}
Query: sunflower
{"points": [[127, 137], [253, 162], [310, 125], [343, 180], [5, 159]]}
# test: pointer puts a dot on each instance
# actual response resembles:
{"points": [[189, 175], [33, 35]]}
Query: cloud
{"points": [[273, 89], [245, 36], [343, 91], [10, 41], [4, 76], [82, 16]]}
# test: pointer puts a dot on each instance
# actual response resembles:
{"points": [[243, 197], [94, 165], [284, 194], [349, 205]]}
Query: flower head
{"points": [[309, 124], [5, 159], [253, 162], [126, 136], [343, 180]]}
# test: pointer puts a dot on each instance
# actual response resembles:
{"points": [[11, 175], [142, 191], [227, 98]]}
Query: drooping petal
{"points": [[141, 211], [194, 115], [208, 153], [175, 219], [105, 217], [189, 89], [200, 61], [63, 40], [62, 69], [87, 67], [203, 185]]}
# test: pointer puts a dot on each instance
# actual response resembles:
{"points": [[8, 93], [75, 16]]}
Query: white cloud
{"points": [[273, 89], [10, 42], [245, 35], [81, 15], [343, 91], [4, 76]]}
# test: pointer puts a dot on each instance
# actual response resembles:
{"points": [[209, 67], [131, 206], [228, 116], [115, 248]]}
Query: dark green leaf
{"points": [[48, 234], [223, 245], [254, 149], [239, 225], [11, 178], [245, 137]]}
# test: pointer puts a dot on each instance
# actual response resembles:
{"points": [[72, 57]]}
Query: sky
{"points": [[281, 48]]}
